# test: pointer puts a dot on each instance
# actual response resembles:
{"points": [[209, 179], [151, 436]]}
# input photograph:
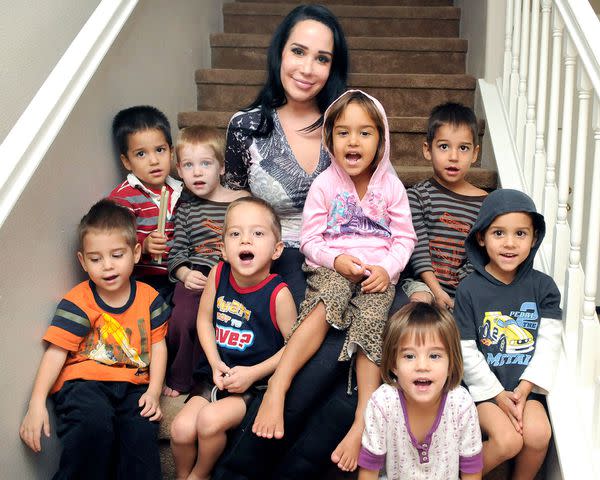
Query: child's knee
{"points": [[183, 430], [206, 423], [537, 436], [507, 443]]}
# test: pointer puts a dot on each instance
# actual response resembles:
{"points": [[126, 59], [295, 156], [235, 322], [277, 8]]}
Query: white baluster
{"points": [[550, 189], [561, 229], [508, 29], [527, 134], [587, 344], [514, 72], [574, 277], [519, 122], [539, 160]]}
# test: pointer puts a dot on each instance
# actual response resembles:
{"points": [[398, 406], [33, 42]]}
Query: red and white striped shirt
{"points": [[144, 203]]}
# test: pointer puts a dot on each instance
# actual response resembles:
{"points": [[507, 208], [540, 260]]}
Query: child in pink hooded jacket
{"points": [[357, 236]]}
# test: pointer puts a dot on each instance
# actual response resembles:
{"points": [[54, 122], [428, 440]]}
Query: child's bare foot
{"points": [[169, 392], [346, 453], [269, 419]]}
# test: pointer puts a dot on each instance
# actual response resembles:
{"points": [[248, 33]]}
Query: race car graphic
{"points": [[505, 332]]}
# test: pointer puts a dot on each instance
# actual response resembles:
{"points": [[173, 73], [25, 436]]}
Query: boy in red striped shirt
{"points": [[143, 137]]}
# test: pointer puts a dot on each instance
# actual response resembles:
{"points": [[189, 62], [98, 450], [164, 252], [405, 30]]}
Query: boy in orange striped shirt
{"points": [[106, 359]]}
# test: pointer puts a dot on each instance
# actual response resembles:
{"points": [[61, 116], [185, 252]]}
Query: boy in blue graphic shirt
{"points": [[510, 323], [245, 314]]}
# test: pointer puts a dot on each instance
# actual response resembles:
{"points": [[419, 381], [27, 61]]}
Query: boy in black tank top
{"points": [[244, 316]]}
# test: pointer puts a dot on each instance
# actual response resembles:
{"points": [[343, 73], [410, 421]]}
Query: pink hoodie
{"points": [[377, 229]]}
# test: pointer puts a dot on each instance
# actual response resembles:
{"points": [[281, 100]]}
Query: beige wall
{"points": [[152, 61], [31, 45], [482, 24], [595, 5]]}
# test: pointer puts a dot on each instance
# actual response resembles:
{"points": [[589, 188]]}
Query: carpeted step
{"points": [[379, 21], [367, 54], [417, 3], [401, 94], [407, 134]]}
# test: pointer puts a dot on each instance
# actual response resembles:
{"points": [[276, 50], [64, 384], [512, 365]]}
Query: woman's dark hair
{"points": [[272, 94]]}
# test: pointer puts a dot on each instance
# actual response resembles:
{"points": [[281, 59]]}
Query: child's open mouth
{"points": [[353, 157], [422, 384], [246, 257], [199, 184], [452, 170], [156, 172], [111, 278]]}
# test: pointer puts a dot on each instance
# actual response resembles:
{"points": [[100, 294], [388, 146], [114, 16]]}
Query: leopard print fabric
{"points": [[362, 315]]}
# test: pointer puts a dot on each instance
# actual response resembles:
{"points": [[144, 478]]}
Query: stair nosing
{"points": [[348, 11], [405, 44], [390, 80]]}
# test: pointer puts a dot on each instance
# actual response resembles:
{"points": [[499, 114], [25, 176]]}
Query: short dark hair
{"points": [[455, 114], [337, 109], [272, 94], [105, 216], [136, 119], [420, 320], [275, 221]]}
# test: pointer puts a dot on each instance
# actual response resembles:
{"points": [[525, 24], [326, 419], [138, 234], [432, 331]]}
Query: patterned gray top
{"points": [[268, 168]]}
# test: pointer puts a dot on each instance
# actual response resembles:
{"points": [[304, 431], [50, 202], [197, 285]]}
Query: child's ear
{"points": [[475, 154], [426, 151], [278, 250], [126, 162], [223, 251], [178, 167], [81, 261], [222, 170], [480, 239], [137, 253]]}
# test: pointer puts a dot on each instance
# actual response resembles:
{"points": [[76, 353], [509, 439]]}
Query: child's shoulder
{"points": [[461, 395]]}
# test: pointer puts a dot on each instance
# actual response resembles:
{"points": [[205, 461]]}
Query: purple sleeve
{"points": [[472, 464], [369, 460]]}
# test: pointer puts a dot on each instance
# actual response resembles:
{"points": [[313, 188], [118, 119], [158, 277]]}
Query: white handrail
{"points": [[32, 135]]}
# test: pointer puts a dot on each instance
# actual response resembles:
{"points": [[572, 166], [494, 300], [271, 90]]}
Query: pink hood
{"points": [[388, 237]]}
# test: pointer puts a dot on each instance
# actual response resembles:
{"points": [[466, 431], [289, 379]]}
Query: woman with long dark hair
{"points": [[274, 150]]}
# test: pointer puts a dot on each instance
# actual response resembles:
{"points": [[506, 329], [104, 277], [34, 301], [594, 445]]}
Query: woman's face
{"points": [[306, 61]]}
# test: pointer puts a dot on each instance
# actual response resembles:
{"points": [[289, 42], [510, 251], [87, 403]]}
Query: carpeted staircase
{"points": [[404, 52]]}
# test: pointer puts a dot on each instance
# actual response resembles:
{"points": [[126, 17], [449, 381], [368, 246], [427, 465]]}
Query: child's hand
{"points": [[349, 267], [220, 371], [507, 402], [155, 244], [443, 300], [194, 281], [36, 420], [378, 281], [150, 404], [520, 395], [239, 379]]}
